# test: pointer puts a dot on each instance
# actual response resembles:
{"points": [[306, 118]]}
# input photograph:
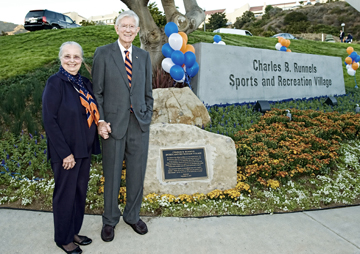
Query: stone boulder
{"points": [[178, 105], [220, 157]]}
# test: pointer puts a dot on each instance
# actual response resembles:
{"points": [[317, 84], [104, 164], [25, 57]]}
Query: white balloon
{"points": [[221, 43], [175, 41], [166, 64], [348, 66], [215, 42], [278, 46], [181, 80], [351, 72]]}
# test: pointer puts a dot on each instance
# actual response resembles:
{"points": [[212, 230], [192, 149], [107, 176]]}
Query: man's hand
{"points": [[104, 129], [69, 162]]}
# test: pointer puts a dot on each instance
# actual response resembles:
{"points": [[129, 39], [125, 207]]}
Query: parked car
{"points": [[285, 36], [233, 31], [45, 19]]}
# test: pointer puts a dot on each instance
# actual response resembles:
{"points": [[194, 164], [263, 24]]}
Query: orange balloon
{"points": [[348, 60], [355, 66], [288, 43], [190, 48], [349, 50], [285, 43], [183, 47], [184, 36], [280, 39], [288, 50]]}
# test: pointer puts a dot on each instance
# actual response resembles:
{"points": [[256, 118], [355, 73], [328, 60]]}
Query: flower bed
{"points": [[283, 165], [276, 149]]}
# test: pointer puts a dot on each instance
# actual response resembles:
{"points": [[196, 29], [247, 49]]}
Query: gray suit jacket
{"points": [[112, 92]]}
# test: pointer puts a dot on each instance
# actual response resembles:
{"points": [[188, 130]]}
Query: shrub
{"points": [[268, 33], [278, 149], [294, 17], [162, 79], [320, 28], [336, 10], [299, 27]]}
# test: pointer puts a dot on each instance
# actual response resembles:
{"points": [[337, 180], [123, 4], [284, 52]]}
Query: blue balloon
{"points": [[193, 70], [357, 59], [353, 55], [283, 48], [171, 28], [176, 72], [190, 59], [178, 57], [167, 50], [217, 38]]}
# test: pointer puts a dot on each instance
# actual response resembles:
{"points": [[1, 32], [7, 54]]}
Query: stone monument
{"points": [[178, 105], [195, 160]]}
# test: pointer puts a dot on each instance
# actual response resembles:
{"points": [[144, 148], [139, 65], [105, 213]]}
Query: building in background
{"points": [[107, 19], [260, 10], [75, 16]]}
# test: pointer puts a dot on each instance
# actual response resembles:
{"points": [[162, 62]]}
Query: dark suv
{"points": [[45, 19]]}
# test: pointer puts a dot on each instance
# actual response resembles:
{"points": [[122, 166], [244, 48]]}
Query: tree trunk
{"points": [[152, 37]]}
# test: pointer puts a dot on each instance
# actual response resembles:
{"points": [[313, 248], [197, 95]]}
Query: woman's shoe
{"points": [[77, 250], [84, 240]]}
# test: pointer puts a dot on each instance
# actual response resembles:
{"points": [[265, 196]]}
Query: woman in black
{"points": [[70, 119]]}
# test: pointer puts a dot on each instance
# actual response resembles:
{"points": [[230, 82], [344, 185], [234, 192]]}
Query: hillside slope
{"points": [[321, 18], [11, 28]]}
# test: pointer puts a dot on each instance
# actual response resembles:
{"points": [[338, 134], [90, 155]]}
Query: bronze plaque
{"points": [[184, 164]]}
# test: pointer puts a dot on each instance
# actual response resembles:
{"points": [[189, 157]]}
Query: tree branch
{"points": [[169, 9], [194, 13]]}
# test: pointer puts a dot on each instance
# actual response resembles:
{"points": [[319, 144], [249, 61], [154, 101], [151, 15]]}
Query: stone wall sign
{"points": [[231, 74], [184, 164]]}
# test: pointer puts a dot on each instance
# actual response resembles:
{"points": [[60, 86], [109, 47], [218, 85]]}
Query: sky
{"points": [[14, 11]]}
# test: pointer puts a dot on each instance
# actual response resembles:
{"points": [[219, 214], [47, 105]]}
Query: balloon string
{"points": [[356, 86], [187, 80]]}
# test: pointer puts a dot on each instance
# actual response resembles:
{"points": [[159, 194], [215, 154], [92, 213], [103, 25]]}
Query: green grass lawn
{"points": [[25, 52]]}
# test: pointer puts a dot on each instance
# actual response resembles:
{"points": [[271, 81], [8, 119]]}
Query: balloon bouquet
{"points": [[217, 40], [180, 59], [352, 63], [283, 44]]}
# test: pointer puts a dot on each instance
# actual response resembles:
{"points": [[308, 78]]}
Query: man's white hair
{"points": [[128, 13]]}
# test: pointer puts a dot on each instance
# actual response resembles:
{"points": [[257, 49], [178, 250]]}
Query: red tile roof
{"points": [[274, 5], [256, 8], [214, 11]]}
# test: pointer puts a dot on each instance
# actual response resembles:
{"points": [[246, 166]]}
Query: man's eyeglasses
{"points": [[124, 27]]}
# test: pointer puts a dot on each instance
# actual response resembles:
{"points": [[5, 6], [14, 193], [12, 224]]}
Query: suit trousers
{"points": [[133, 147], [69, 199]]}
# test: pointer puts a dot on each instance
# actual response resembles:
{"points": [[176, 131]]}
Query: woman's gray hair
{"points": [[128, 13], [70, 43]]}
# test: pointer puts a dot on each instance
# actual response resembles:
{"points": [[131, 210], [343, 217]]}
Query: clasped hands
{"points": [[104, 129]]}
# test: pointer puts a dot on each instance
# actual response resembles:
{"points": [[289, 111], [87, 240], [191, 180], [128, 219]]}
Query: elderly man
{"points": [[122, 81]]}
